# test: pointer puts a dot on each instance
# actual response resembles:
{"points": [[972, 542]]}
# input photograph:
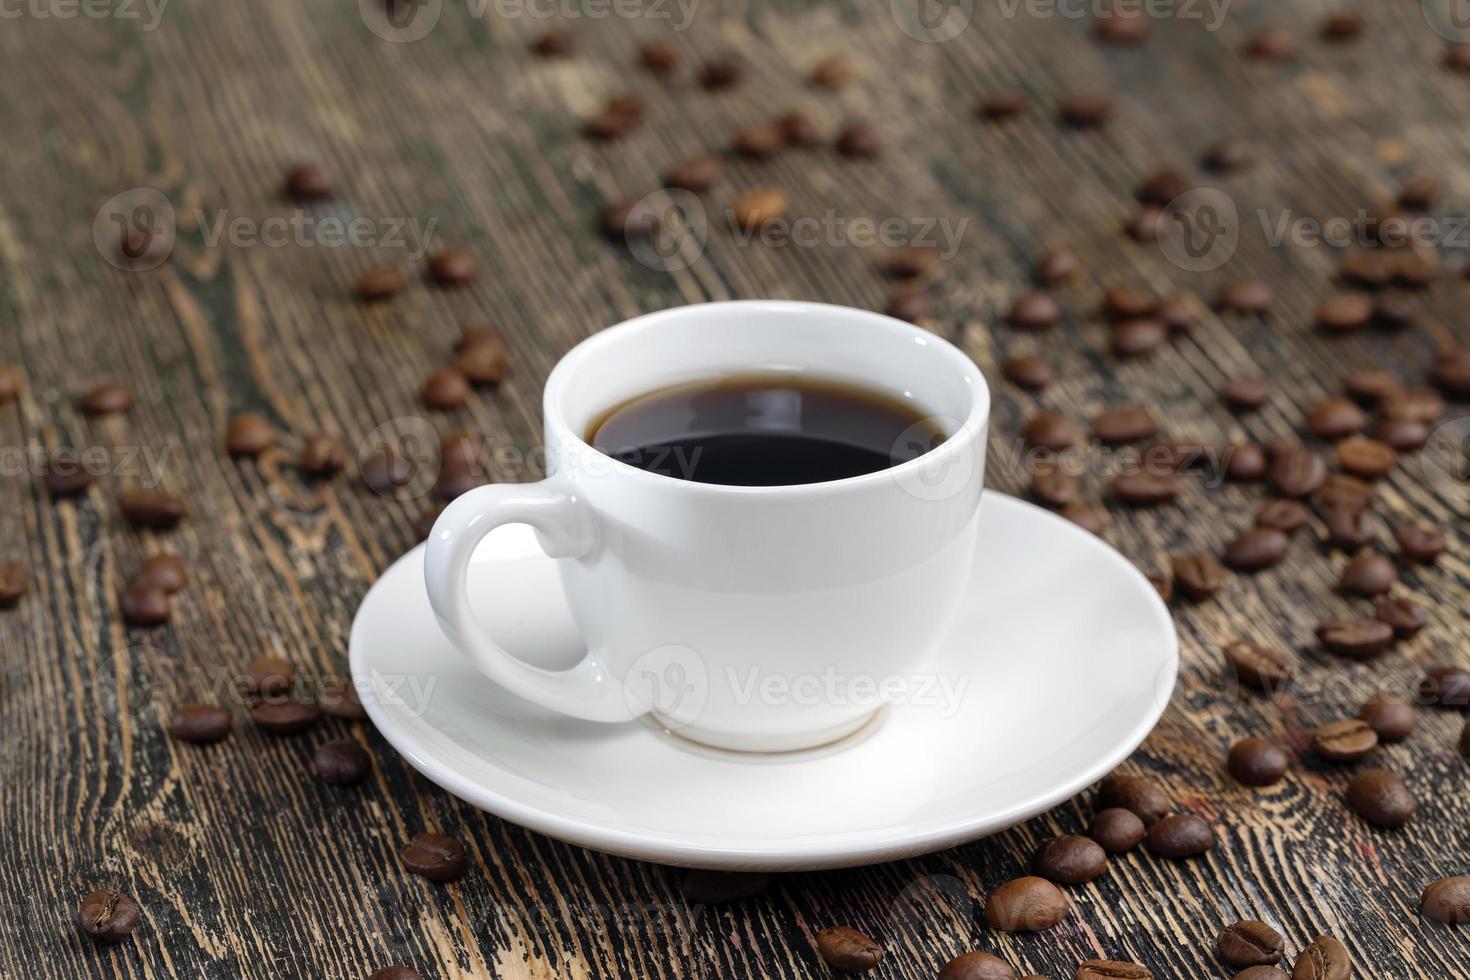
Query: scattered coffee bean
{"points": [[1128, 423], [340, 700], [1369, 268], [142, 604], [9, 383], [696, 175], [1270, 44], [1026, 904], [628, 221], [435, 857], [976, 966], [1369, 387], [1451, 372], [307, 182], [445, 390], [1145, 225], [1243, 394], [1180, 835], [1446, 687], [152, 508], [719, 73], [166, 572], [483, 363], [1368, 575], [798, 129], [1420, 545], [1123, 26], [65, 475], [1070, 860], [380, 283], [1298, 472], [833, 72], [1257, 762], [1052, 486], [1245, 296], [1034, 311], [1161, 187], [321, 456], [1027, 371], [15, 582], [1258, 666], [912, 262], [107, 399], [1286, 515], [911, 306], [1457, 56], [1111, 970], [1405, 435], [199, 723], [1357, 639], [249, 435], [1389, 715], [723, 887], [1057, 266], [1132, 338], [342, 762], [659, 58], [1229, 156], [1250, 943], [1197, 576], [1257, 548], [1245, 462], [1346, 313], [478, 335], [1050, 430], [1086, 516], [268, 676], [452, 267], [1416, 269], [1163, 585], [1085, 111], [107, 917], [758, 208], [1336, 418], [1345, 741], [1342, 27], [1365, 457], [1136, 794], [1406, 616], [286, 716], [1381, 798], [1145, 489], [1418, 404], [1394, 313], [385, 472], [1001, 105], [1120, 303], [1447, 901], [396, 973], [1324, 959], [1117, 830], [760, 141], [1419, 192], [553, 44], [848, 951], [1349, 527]]}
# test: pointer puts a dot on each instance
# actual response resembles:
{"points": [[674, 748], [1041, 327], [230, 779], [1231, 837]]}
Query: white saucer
{"points": [[1072, 658]]}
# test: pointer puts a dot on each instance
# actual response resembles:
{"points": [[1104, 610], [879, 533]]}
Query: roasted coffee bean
{"points": [[759, 141], [1345, 313], [166, 572], [553, 44], [385, 472], [199, 723], [758, 208], [1250, 943], [1086, 516], [1368, 575], [1447, 901], [1406, 616], [1243, 394], [286, 716], [1027, 371], [1457, 56], [1111, 970], [1258, 666], [1120, 303], [799, 129], [1085, 111], [1389, 715], [9, 383], [1420, 545], [1416, 404], [143, 605], [848, 951], [1245, 462], [1394, 313], [1163, 586], [1050, 430], [1257, 762], [1057, 266], [1298, 472], [65, 475], [321, 456], [1323, 959], [1052, 486], [1405, 435], [1117, 830], [1257, 548], [1336, 418], [307, 182], [1128, 423], [15, 582], [1283, 514], [912, 262], [1370, 268], [1345, 741], [696, 175], [1180, 835], [1145, 225], [452, 267], [342, 762], [1070, 860], [833, 72], [1344, 490], [1446, 687], [1033, 311], [340, 700], [1132, 338], [396, 973], [1342, 27], [720, 73], [380, 283], [1136, 794], [977, 966], [1369, 387], [1229, 156], [1197, 576], [1418, 192], [445, 390], [1451, 371], [1349, 527], [1121, 27], [1365, 457], [859, 141], [1145, 489], [1417, 269], [1026, 904], [1358, 639], [107, 399], [723, 887], [1161, 187], [911, 306], [249, 435], [1381, 798], [1270, 44], [483, 363], [268, 676], [628, 221], [659, 58], [152, 508], [435, 857], [1001, 105], [1245, 296], [107, 917]]}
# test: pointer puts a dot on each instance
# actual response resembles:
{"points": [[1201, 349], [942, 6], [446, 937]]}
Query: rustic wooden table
{"points": [[246, 865]]}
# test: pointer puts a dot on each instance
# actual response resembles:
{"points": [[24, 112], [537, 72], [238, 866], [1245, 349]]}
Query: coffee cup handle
{"points": [[566, 530]]}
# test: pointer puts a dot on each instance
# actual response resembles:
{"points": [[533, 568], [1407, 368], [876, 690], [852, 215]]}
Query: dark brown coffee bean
{"points": [[1404, 435], [1027, 371], [1026, 904], [1174, 456], [1050, 430], [1033, 311], [1418, 192], [1057, 266], [1368, 575], [1406, 616], [65, 475], [1270, 44], [1197, 576], [396, 973], [268, 676], [1446, 687], [1420, 545], [1245, 462], [1447, 900], [1163, 585], [307, 182], [1350, 527], [1457, 56], [720, 73], [759, 141], [1289, 516], [483, 363], [1180, 835], [1391, 716], [1257, 762], [910, 306], [1086, 516], [340, 700], [1357, 639], [912, 262], [696, 175], [152, 508], [1070, 860], [1085, 111], [1451, 372], [1342, 27], [107, 399], [445, 390], [342, 762], [1052, 486], [199, 723], [1336, 418], [859, 141], [833, 72], [1123, 27], [1243, 394], [798, 129], [1346, 313], [286, 716], [435, 857], [380, 283], [628, 221], [1370, 268], [1345, 741], [10, 383], [1161, 187], [1132, 338], [1229, 156], [1323, 959], [1146, 224], [1417, 404], [1258, 548], [1002, 105], [1145, 489], [1117, 830], [1121, 303], [1381, 798], [1298, 472], [1111, 970], [1250, 943], [659, 58], [385, 472], [758, 208], [1136, 794], [848, 951], [1245, 296], [977, 966], [107, 917], [143, 605], [321, 456], [15, 582], [249, 435], [1342, 490], [1258, 666], [1128, 423], [1370, 386], [166, 572], [553, 44], [1394, 313], [723, 887], [1365, 457], [452, 267]]}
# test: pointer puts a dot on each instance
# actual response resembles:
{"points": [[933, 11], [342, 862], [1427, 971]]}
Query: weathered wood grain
{"points": [[244, 864]]}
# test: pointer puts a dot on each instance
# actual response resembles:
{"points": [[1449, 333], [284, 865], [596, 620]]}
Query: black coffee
{"points": [[764, 430]]}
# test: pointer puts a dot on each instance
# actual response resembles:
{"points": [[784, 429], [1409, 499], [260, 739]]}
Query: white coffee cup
{"points": [[747, 618]]}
